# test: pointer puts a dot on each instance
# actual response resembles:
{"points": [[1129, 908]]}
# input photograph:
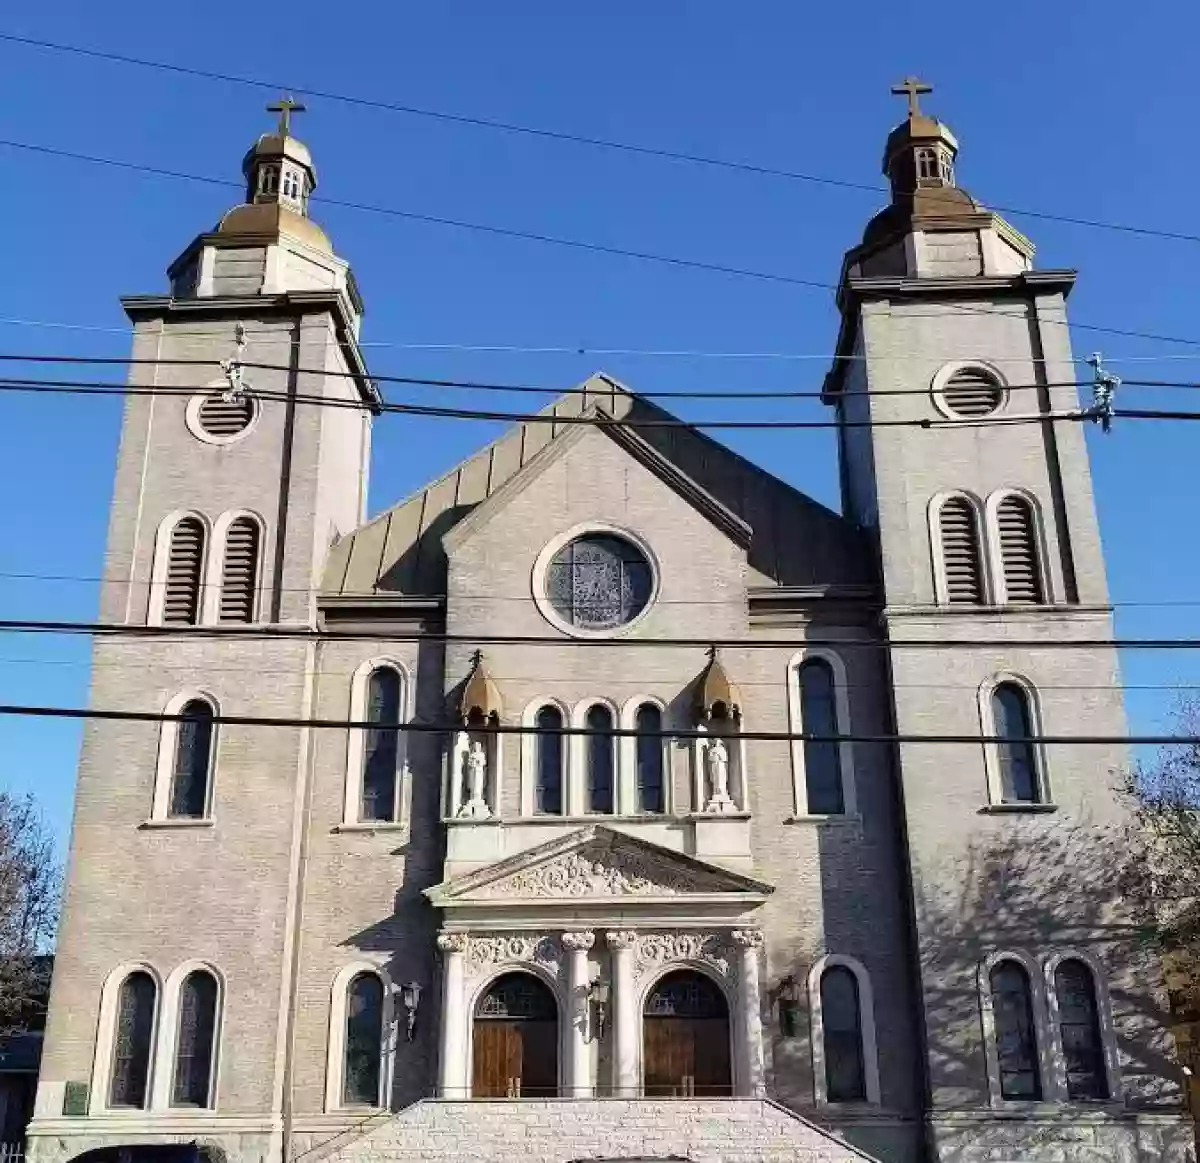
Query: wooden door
{"points": [[686, 1039], [515, 1040]]}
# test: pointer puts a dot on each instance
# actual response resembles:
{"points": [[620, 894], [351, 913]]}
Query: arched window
{"points": [[841, 1020], [961, 558], [1079, 1029], [927, 166], [600, 762], [239, 574], [548, 785], [381, 747], [651, 788], [1016, 531], [822, 758], [196, 1041], [185, 568], [364, 1041], [1016, 754], [191, 772], [137, 1005], [1016, 1040]]}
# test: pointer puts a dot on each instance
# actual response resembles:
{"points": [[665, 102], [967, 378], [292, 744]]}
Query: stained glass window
{"points": [[364, 1040], [686, 995], [651, 793], [599, 582], [822, 758], [131, 1047], [1018, 760], [193, 758], [194, 1047], [1016, 1042], [517, 995], [381, 747], [1079, 1024], [549, 778], [600, 761], [841, 1026]]}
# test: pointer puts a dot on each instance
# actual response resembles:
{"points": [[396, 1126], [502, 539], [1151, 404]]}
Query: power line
{"points": [[421, 728], [574, 243], [562, 136], [305, 634]]}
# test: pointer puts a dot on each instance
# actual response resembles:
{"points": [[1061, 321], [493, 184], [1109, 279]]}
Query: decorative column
{"points": [[452, 1060], [625, 1016], [579, 1082], [750, 1065]]}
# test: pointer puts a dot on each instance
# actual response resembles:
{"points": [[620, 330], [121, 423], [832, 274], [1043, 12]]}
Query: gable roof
{"points": [[792, 539]]}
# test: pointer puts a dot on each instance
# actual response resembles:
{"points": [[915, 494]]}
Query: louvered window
{"points": [[224, 418], [132, 1041], [239, 578], [960, 552], [1018, 551], [192, 1085], [185, 563], [972, 392]]}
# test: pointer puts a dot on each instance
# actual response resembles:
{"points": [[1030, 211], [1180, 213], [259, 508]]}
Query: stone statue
{"points": [[717, 758], [476, 806]]}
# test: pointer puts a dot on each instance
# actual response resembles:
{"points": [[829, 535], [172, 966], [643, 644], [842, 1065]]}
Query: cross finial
{"points": [[913, 89], [285, 109]]}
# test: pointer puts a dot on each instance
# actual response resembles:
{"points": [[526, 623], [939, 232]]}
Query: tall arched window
{"points": [[185, 568], [381, 747], [137, 1007], [600, 762], [196, 1041], [841, 1022], [822, 758], [1016, 531], [1016, 1040], [239, 573], [1079, 1028], [364, 1041], [191, 772], [962, 562], [1016, 753], [548, 775], [651, 787]]}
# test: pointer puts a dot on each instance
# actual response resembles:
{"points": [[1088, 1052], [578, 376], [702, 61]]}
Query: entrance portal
{"points": [[515, 1040], [686, 1038]]}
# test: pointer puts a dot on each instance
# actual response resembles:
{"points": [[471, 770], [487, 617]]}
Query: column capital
{"points": [[580, 941], [621, 938], [452, 942], [748, 938]]}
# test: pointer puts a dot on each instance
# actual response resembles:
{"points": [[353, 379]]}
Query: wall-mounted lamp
{"points": [[410, 998], [788, 997], [597, 995]]}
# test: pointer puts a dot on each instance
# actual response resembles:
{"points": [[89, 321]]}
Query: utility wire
{"points": [[422, 728], [574, 243], [307, 633], [562, 136]]}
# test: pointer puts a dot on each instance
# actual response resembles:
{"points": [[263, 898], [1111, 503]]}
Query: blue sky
{"points": [[1055, 113]]}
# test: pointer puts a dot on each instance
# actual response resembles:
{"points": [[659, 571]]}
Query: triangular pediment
{"points": [[597, 863]]}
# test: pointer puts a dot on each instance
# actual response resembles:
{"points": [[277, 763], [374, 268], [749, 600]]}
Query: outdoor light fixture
{"points": [[597, 994], [788, 996], [410, 997]]}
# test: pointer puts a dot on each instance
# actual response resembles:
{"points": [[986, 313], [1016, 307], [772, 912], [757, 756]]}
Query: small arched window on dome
{"points": [[927, 164], [268, 180]]}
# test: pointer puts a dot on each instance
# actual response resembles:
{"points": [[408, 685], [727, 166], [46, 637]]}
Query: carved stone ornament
{"points": [[748, 938], [621, 938], [486, 951], [657, 950], [598, 870], [580, 941], [452, 942]]}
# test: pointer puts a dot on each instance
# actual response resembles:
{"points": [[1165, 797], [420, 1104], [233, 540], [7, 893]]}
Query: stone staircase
{"points": [[570, 1130]]}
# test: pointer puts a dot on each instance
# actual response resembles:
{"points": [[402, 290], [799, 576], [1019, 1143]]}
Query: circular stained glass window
{"points": [[599, 581]]}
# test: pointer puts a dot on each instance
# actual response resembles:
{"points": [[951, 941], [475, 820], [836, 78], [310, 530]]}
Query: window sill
{"points": [[832, 818], [738, 815], [178, 822], [373, 826], [599, 818], [1017, 809]]}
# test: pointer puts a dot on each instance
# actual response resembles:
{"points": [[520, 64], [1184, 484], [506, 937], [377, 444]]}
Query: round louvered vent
{"points": [[972, 392], [224, 419]]}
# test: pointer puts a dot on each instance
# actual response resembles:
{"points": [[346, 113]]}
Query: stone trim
{"points": [[356, 739], [937, 552], [866, 1019], [996, 557], [164, 770], [335, 1071], [214, 580], [1104, 1017], [164, 1078], [1037, 991], [162, 561], [991, 749], [841, 689], [105, 1042]]}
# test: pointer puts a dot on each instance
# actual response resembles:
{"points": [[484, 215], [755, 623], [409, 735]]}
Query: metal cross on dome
{"points": [[913, 88], [285, 109]]}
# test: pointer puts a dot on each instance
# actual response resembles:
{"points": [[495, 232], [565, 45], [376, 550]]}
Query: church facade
{"points": [[572, 886]]}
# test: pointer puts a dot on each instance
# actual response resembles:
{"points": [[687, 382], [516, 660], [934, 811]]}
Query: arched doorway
{"points": [[515, 1040], [686, 1038]]}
